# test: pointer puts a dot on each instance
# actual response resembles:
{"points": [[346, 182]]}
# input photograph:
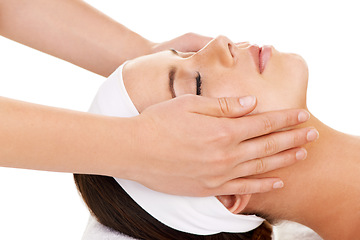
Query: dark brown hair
{"points": [[114, 208]]}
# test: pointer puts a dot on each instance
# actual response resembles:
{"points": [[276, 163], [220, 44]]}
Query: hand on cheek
{"points": [[199, 146]]}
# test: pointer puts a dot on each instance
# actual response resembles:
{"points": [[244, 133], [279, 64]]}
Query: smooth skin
{"points": [[45, 138]]}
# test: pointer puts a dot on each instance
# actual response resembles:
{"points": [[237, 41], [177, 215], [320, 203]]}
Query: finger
{"points": [[248, 186], [264, 123], [276, 142], [192, 42], [221, 107], [267, 164]]}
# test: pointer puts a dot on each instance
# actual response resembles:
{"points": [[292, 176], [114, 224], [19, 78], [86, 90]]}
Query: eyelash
{"points": [[198, 84]]}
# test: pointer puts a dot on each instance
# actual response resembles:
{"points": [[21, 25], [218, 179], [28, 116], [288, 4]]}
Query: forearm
{"points": [[71, 30], [45, 138]]}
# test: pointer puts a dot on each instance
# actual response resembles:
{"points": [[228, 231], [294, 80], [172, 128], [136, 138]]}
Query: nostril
{"points": [[230, 46]]}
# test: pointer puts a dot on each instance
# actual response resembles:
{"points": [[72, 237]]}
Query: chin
{"points": [[298, 66], [288, 78], [300, 76]]}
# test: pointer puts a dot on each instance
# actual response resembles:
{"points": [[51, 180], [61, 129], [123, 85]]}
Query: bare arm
{"points": [[45, 138], [78, 33], [71, 30]]}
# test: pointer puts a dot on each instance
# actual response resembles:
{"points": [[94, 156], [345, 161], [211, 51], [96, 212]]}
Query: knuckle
{"points": [[229, 160], [225, 105], [187, 100], [260, 166], [221, 164], [297, 139], [216, 158], [211, 183], [264, 187], [268, 125], [287, 159], [243, 189], [284, 159], [288, 120], [221, 160], [224, 134], [270, 146]]}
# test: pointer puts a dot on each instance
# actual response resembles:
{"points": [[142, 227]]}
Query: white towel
{"points": [[284, 231], [287, 230], [97, 231]]}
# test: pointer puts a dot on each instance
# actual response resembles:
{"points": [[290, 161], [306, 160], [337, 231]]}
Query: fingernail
{"points": [[278, 184], [301, 154], [303, 116], [312, 135], [247, 101]]}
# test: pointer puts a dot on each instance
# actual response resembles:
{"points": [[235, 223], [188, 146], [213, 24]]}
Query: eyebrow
{"points": [[172, 73]]}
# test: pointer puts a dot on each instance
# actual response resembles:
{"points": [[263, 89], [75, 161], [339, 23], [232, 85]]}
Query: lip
{"points": [[264, 56], [255, 54], [260, 56]]}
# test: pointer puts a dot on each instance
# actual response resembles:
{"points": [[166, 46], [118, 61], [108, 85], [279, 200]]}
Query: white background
{"points": [[43, 205]]}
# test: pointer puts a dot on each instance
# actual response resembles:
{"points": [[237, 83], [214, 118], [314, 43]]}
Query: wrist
{"points": [[122, 148]]}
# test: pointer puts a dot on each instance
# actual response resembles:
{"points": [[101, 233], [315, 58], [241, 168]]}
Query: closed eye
{"points": [[172, 73], [198, 84]]}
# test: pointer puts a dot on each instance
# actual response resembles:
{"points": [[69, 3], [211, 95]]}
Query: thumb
{"points": [[223, 107]]}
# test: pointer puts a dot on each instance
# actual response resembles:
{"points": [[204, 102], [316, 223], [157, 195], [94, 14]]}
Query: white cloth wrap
{"points": [[196, 215]]}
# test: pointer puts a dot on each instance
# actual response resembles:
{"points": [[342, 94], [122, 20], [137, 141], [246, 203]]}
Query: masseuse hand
{"points": [[188, 148], [189, 42]]}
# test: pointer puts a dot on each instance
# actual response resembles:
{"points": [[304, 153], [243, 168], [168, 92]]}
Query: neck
{"points": [[321, 192]]}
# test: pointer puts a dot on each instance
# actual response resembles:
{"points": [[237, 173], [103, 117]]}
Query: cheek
{"points": [[303, 73], [285, 84], [282, 86], [295, 70], [234, 84]]}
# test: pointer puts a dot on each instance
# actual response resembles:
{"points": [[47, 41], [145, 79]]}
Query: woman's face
{"points": [[220, 69]]}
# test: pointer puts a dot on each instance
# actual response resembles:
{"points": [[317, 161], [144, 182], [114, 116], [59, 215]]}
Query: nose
{"points": [[219, 50]]}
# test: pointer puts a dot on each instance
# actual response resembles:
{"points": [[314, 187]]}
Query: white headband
{"points": [[196, 215]]}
